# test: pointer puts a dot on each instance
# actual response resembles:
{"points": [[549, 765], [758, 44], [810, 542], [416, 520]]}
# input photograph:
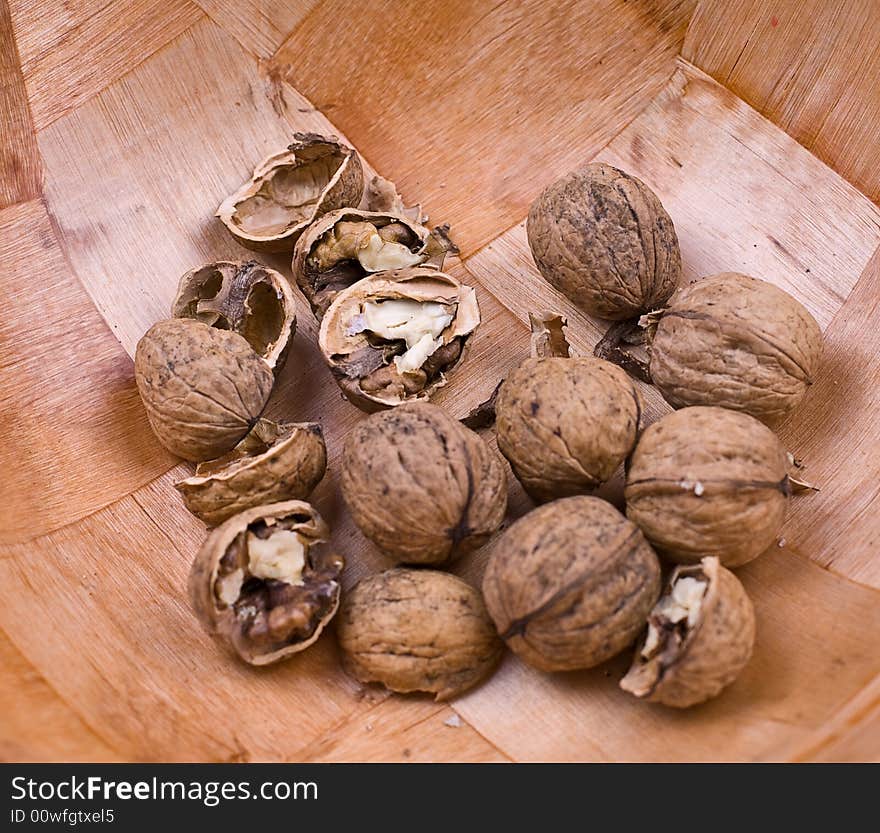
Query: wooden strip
{"points": [[489, 102], [258, 25], [19, 157], [811, 67]]}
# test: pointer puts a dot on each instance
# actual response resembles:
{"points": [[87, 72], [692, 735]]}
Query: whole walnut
{"points": [[708, 480], [602, 238], [736, 342], [421, 486], [570, 584], [203, 388], [417, 630], [700, 636], [566, 424]]}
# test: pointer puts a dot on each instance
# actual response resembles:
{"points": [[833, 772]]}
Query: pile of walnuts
{"points": [[574, 581]]}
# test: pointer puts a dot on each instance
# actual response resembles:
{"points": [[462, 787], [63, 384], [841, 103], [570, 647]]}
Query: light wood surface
{"points": [[122, 127]]}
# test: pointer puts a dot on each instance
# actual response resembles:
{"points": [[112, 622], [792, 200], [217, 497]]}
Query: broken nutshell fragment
{"points": [[203, 388], [736, 342], [700, 636], [710, 480], [422, 487], [394, 336], [263, 583], [603, 239], [313, 175], [349, 244], [248, 298], [274, 462], [417, 630], [570, 584]]}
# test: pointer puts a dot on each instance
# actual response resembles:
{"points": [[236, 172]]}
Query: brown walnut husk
{"points": [[203, 388], [248, 298], [274, 462], [565, 424], [326, 257], [364, 364], [291, 188], [707, 480], [691, 663], [602, 238], [736, 342], [570, 584], [267, 619], [417, 630], [422, 487]]}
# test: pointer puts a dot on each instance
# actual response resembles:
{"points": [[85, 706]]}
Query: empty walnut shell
{"points": [[700, 637], [313, 175], [393, 337], [708, 480], [248, 298], [736, 342], [602, 238], [417, 630], [203, 388], [345, 246], [272, 463], [263, 585], [570, 584], [421, 486]]}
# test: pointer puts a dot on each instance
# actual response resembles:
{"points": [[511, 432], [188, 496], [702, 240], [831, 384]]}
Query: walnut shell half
{"points": [[393, 337], [248, 298], [700, 636], [602, 238], [346, 245], [736, 342], [421, 486], [263, 585], [570, 584], [417, 630], [708, 480], [272, 463], [313, 175], [203, 388]]}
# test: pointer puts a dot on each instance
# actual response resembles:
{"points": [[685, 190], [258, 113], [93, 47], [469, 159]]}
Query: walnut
{"points": [[272, 463], [248, 298], [345, 246], [394, 336], [736, 342], [602, 238], [263, 585], [708, 480], [570, 584], [313, 175], [700, 636], [417, 630], [203, 388], [565, 424], [421, 486]]}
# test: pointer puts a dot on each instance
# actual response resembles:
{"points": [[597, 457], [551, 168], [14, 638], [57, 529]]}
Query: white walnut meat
{"points": [[417, 631], [570, 584], [700, 637], [395, 336], [291, 188], [706, 480], [344, 246], [422, 487], [736, 342], [274, 462], [248, 298], [602, 238], [263, 583], [203, 388]]}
